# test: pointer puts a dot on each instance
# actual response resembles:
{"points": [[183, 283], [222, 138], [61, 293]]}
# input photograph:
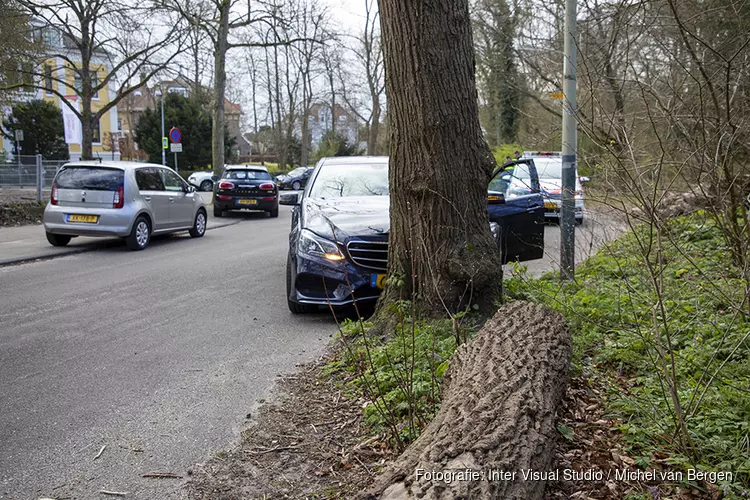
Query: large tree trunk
{"points": [[220, 81], [500, 395], [440, 241]]}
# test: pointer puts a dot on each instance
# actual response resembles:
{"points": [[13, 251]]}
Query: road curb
{"points": [[74, 251]]}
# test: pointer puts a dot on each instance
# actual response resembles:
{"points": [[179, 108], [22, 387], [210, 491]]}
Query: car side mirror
{"points": [[289, 199], [495, 198], [190, 188], [584, 179]]}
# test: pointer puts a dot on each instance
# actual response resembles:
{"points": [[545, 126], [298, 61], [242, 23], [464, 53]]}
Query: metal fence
{"points": [[29, 171]]}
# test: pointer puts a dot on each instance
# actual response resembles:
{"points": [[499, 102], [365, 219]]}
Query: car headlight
{"points": [[311, 244]]}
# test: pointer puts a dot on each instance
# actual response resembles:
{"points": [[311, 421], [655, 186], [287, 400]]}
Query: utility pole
{"points": [[569, 146]]}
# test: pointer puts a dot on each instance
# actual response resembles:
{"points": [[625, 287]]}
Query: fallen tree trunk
{"points": [[500, 395]]}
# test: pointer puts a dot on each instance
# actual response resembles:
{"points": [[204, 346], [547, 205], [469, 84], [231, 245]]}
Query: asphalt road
{"points": [[158, 355], [165, 351]]}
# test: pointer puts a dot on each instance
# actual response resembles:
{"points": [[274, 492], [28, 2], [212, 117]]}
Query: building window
{"points": [[119, 124], [51, 37], [94, 82], [97, 134], [48, 84]]}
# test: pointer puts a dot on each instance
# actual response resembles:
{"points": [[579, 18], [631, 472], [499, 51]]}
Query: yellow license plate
{"points": [[549, 204], [377, 280], [88, 219], [247, 202]]}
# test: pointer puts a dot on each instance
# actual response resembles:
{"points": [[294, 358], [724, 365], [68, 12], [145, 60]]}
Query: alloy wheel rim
{"points": [[141, 234], [200, 223]]}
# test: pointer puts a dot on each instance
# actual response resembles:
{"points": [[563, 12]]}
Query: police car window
{"points": [[513, 181]]}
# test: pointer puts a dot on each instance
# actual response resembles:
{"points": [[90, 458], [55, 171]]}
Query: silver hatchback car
{"points": [[119, 198]]}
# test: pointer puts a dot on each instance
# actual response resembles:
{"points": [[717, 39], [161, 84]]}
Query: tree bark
{"points": [[500, 395], [220, 79], [440, 241]]}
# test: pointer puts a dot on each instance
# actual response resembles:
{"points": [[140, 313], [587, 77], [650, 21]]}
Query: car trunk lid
{"points": [[88, 186]]}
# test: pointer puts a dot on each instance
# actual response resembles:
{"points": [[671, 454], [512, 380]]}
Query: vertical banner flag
{"points": [[71, 121]]}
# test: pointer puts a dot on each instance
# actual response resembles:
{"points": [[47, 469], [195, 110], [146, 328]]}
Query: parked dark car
{"points": [[296, 179], [338, 245], [246, 188]]}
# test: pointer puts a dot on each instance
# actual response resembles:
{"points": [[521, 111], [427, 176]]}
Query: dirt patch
{"points": [[21, 214], [312, 443], [18, 206]]}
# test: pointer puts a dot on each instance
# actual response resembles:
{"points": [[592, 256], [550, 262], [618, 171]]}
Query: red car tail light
{"points": [[266, 185], [53, 195], [119, 200], [224, 198], [226, 185]]}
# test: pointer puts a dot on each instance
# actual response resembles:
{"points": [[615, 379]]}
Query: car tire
{"points": [[296, 185], [58, 240], [207, 186], [199, 225], [274, 212], [218, 212], [140, 235], [295, 307]]}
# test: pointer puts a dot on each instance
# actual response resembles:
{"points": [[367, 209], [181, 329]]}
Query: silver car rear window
{"points": [[90, 178]]}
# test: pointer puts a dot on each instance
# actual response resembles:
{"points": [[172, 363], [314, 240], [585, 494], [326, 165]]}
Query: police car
{"points": [[549, 168]]}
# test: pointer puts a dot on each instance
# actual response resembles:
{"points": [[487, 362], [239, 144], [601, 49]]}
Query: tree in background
{"points": [[334, 144], [368, 53], [132, 39], [495, 30], [19, 47], [43, 130], [441, 255], [194, 122]]}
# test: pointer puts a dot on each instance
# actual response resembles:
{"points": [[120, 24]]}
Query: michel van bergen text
{"points": [[454, 475]]}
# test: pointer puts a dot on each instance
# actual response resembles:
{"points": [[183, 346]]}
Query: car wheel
{"points": [[58, 240], [199, 226], [274, 212], [207, 186], [140, 235], [218, 212], [296, 185], [295, 307]]}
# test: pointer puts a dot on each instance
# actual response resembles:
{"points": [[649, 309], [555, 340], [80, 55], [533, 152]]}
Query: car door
{"points": [[180, 201], [151, 188], [516, 205]]}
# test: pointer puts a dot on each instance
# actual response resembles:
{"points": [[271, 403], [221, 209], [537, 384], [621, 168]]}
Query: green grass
{"points": [[415, 352], [615, 327], [616, 330]]}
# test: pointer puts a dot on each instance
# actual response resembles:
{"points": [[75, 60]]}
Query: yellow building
{"points": [[48, 85]]}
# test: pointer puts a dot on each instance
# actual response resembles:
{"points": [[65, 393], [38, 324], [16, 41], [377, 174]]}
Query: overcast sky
{"points": [[349, 13]]}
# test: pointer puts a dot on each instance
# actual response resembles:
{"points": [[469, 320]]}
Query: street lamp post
{"points": [[159, 93]]}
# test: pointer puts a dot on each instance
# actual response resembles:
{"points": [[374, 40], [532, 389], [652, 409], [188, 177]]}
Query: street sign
{"points": [[19, 135], [164, 143], [557, 95], [175, 147], [175, 135]]}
